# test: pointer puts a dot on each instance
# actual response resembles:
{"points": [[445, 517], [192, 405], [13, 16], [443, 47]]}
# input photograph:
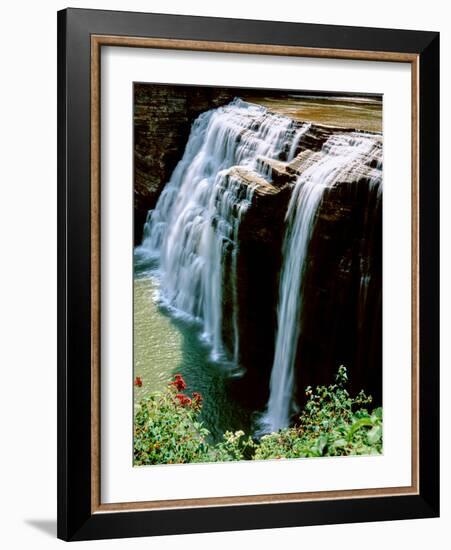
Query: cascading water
{"points": [[196, 221], [340, 157], [297, 140]]}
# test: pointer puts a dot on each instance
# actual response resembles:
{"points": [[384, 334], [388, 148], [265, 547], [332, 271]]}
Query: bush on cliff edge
{"points": [[168, 429]]}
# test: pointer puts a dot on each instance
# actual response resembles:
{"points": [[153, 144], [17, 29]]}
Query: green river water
{"points": [[164, 345]]}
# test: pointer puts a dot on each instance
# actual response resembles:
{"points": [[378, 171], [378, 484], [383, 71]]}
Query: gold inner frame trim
{"points": [[97, 41]]}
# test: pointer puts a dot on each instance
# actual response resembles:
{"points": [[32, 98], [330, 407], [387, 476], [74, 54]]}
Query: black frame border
{"points": [[75, 520]]}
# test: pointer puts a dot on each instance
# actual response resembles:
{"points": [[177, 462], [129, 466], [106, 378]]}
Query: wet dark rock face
{"points": [[342, 309], [260, 257]]}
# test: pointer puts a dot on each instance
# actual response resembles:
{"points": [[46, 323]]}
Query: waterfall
{"points": [[194, 226], [339, 160], [297, 140]]}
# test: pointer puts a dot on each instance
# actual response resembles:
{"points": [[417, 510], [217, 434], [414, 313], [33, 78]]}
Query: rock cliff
{"points": [[342, 308]]}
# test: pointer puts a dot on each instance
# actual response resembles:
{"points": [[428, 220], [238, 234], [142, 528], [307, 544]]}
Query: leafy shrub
{"points": [[331, 424], [168, 429], [234, 446]]}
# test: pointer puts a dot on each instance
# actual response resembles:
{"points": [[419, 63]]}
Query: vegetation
{"points": [[331, 424], [168, 429]]}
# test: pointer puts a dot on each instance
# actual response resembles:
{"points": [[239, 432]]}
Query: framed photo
{"points": [[248, 274]]}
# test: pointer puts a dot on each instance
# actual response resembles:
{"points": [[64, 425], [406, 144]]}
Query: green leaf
{"points": [[374, 435], [362, 422], [321, 443]]}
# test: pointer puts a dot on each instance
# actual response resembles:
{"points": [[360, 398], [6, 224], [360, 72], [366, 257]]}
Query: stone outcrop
{"points": [[343, 299], [343, 302], [259, 258]]}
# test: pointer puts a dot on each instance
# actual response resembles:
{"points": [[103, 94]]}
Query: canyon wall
{"points": [[342, 306]]}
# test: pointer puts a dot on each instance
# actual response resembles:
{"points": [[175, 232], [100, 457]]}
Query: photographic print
{"points": [[257, 299], [248, 261]]}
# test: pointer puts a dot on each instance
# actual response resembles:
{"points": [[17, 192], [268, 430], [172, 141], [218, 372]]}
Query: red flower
{"points": [[197, 397], [138, 381], [183, 399], [178, 382]]}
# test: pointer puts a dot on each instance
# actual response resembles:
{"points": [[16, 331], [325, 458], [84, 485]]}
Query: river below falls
{"points": [[164, 345]]}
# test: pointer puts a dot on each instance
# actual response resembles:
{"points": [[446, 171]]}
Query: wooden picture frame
{"points": [[81, 35]]}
